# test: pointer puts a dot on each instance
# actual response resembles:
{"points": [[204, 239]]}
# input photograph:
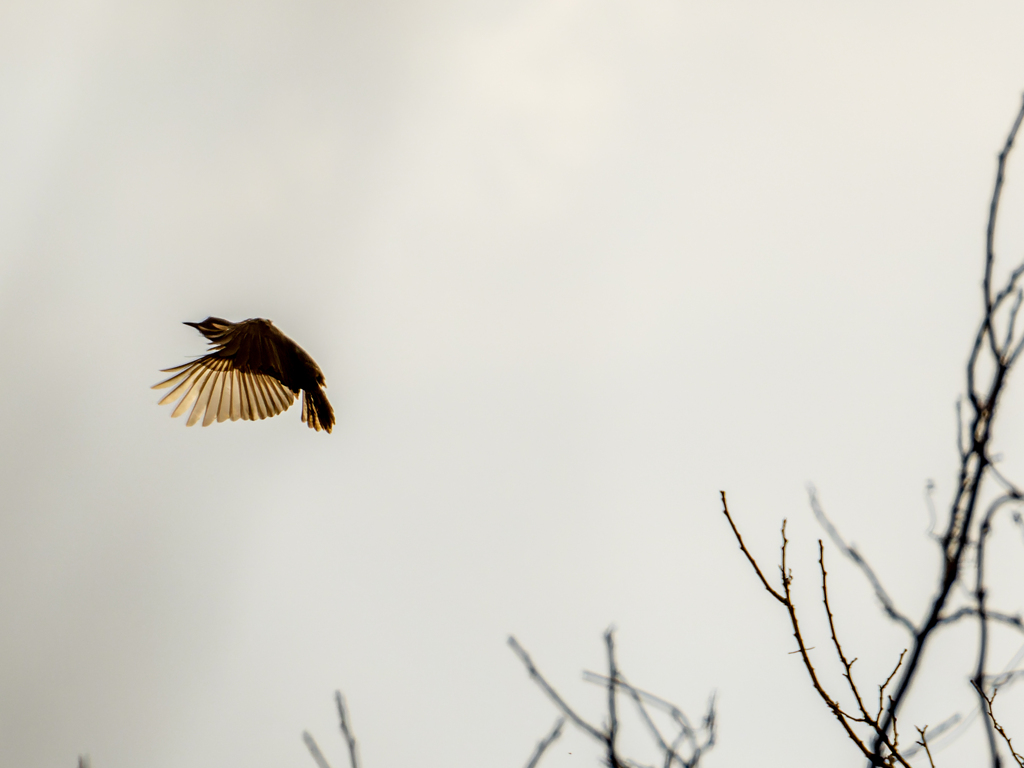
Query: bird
{"points": [[253, 371]]}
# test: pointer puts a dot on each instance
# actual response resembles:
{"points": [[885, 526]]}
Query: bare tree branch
{"points": [[666, 706], [989, 700], [846, 720], [686, 731], [613, 682], [847, 665], [976, 460]]}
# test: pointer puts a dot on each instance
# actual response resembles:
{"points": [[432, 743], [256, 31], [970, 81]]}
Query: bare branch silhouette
{"points": [[923, 743], [964, 539], [989, 700], [314, 750], [969, 611], [851, 552], [546, 742], [353, 751], [686, 732], [613, 683], [346, 732], [846, 719], [996, 347], [613, 720], [552, 694]]}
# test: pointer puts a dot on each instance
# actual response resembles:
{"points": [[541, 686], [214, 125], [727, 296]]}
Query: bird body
{"points": [[253, 371]]}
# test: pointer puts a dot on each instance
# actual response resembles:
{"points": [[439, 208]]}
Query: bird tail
{"points": [[316, 411]]}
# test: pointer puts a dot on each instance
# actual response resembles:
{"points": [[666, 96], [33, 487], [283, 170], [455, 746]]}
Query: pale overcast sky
{"points": [[570, 268]]}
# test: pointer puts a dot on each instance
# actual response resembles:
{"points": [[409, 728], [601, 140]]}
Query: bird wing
{"points": [[218, 389]]}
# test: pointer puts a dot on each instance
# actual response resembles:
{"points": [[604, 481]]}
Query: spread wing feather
{"points": [[218, 391]]}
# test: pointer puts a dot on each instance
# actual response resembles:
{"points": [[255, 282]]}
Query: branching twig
{"points": [[686, 731], [613, 682], [946, 725], [992, 718], [847, 665], [883, 686], [353, 750], [846, 720], [923, 743]]}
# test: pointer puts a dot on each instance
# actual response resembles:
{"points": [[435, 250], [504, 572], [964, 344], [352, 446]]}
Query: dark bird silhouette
{"points": [[254, 371]]}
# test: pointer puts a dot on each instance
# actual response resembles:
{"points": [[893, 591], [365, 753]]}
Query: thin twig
{"points": [[966, 611], [990, 236], [989, 700], [1011, 324], [1011, 489], [929, 500], [851, 552], [883, 686], [847, 665], [613, 720], [981, 595], [314, 750], [750, 557], [614, 682], [786, 599], [866, 717], [923, 742], [546, 742], [353, 750], [686, 731], [938, 730], [666, 706], [551, 693], [960, 447]]}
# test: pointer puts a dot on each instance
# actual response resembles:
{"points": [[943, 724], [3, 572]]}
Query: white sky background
{"points": [[570, 268]]}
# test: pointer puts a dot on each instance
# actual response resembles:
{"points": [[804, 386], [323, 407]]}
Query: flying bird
{"points": [[252, 372]]}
